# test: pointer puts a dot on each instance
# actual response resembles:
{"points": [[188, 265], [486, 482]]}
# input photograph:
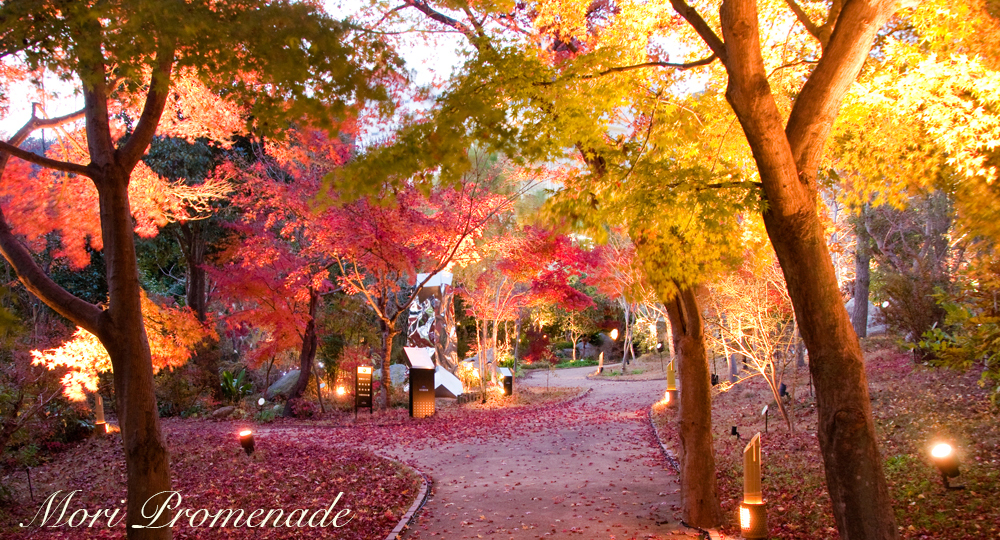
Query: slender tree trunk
{"points": [[306, 356], [862, 275], [123, 334], [699, 494], [388, 335], [517, 340]]}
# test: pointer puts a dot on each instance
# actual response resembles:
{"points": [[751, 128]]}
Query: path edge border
{"points": [[418, 503], [713, 534]]}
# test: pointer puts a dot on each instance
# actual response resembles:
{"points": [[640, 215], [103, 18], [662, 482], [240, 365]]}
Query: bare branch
{"points": [[709, 36], [31, 157], [450, 22], [803, 18]]}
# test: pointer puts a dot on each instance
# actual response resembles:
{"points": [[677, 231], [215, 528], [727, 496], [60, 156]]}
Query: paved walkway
{"points": [[589, 469]]}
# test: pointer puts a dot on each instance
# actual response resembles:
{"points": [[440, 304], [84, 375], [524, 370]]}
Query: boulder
{"points": [[283, 386], [223, 412]]}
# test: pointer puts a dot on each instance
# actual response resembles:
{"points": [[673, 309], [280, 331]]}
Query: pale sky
{"points": [[426, 63]]}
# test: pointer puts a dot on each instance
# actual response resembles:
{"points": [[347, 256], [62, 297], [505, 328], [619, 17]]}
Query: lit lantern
{"points": [[671, 396], [341, 390], [246, 441], [947, 462], [753, 510], [99, 425]]}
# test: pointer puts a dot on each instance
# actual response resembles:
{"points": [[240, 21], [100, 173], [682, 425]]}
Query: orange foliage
{"points": [[173, 333]]}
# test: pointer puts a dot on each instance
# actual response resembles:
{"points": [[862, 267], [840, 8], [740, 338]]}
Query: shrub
{"points": [[304, 408], [234, 388]]}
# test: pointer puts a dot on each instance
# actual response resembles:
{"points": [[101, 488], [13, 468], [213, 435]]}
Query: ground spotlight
{"points": [[946, 461], [246, 441]]}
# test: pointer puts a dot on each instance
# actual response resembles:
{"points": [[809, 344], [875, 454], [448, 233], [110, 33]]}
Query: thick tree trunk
{"points": [[306, 355], [699, 495], [787, 158], [123, 334], [862, 275]]}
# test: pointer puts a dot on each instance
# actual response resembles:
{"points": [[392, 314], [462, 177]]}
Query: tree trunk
{"points": [[862, 275], [699, 495], [123, 334], [193, 246], [306, 356], [788, 155], [517, 340], [388, 334]]}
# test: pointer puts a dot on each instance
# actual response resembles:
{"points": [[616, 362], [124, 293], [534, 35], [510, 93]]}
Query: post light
{"points": [[946, 461], [508, 381], [363, 389], [753, 510], [99, 425], [341, 390], [671, 398], [246, 441]]}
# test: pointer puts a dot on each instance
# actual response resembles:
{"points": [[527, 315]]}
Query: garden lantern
{"points": [[671, 396], [246, 441], [421, 381], [363, 389], [947, 462], [99, 425], [508, 381], [753, 511], [341, 390]]}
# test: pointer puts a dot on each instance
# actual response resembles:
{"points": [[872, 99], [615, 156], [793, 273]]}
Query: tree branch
{"points": [[450, 22], [156, 99], [7, 149], [702, 28], [79, 312], [819, 101], [803, 18]]}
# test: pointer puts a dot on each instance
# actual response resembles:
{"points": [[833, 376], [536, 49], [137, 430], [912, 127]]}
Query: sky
{"points": [[425, 62]]}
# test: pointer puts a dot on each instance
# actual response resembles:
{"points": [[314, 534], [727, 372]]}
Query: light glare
{"points": [[744, 518], [941, 450]]}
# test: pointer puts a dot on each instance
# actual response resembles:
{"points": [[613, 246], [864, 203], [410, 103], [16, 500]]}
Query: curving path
{"points": [[588, 469]]}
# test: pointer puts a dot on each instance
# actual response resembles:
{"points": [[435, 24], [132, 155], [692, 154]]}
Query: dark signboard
{"points": [[363, 388], [421, 392]]}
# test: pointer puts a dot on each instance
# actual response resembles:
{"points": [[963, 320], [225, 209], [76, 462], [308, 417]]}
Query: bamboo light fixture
{"points": [[671, 395], [99, 425], [753, 510]]}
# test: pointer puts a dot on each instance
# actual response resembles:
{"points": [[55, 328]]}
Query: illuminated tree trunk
{"points": [[124, 336], [700, 500], [788, 157], [306, 355]]}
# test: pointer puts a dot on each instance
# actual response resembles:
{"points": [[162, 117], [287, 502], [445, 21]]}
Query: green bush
{"points": [[234, 388]]}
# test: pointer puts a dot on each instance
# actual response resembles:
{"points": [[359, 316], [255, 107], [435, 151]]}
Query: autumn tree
{"points": [[128, 60], [384, 242], [753, 316]]}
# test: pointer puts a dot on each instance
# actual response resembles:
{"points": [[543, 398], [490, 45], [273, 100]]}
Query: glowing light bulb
{"points": [[341, 390], [941, 450]]}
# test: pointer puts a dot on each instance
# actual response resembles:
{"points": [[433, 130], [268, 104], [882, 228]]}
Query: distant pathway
{"points": [[589, 469]]}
